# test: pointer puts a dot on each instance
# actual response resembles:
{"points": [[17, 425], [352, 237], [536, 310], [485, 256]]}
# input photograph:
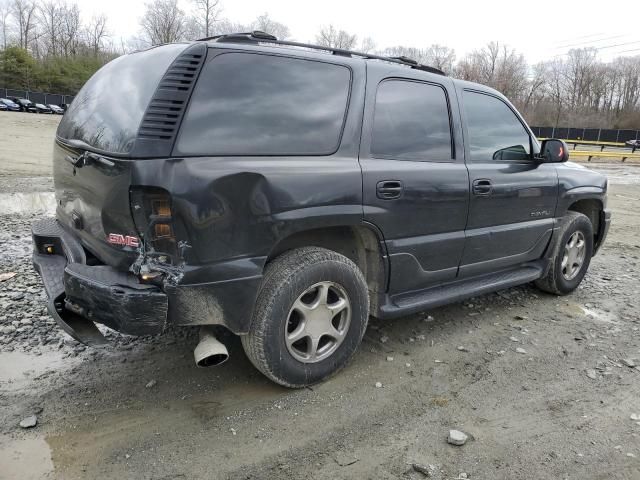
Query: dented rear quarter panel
{"points": [[233, 211]]}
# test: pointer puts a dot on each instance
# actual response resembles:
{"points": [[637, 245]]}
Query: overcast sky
{"points": [[540, 29]]}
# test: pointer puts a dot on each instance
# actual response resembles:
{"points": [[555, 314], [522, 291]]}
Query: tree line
{"points": [[49, 45]]}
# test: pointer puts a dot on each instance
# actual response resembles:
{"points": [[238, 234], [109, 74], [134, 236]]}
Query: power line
{"points": [[581, 36], [618, 45], [627, 51], [605, 47], [590, 41]]}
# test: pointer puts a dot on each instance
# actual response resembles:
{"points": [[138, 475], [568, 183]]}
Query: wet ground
{"points": [[566, 408]]}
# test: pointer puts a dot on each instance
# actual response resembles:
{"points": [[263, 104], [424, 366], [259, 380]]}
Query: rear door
{"points": [[513, 197], [415, 183]]}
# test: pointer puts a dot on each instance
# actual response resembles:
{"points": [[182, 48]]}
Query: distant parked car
{"points": [[25, 104], [3, 107], [41, 108], [11, 105], [632, 143], [55, 109]]}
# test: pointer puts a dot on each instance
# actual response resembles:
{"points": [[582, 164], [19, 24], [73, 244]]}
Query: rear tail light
{"points": [[153, 217]]}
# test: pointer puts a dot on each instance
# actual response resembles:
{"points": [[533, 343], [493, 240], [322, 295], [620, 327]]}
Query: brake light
{"points": [[153, 217]]}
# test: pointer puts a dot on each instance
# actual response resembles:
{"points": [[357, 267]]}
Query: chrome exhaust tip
{"points": [[210, 351]]}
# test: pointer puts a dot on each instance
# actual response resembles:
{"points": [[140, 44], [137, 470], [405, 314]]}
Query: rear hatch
{"points": [[93, 160]]}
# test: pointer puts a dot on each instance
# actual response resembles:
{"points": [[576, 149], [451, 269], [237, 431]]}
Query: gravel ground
{"points": [[544, 387]]}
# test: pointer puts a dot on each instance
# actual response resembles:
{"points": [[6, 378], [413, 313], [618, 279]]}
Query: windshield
{"points": [[108, 110]]}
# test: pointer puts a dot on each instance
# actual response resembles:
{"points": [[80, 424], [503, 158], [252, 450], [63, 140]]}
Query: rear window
{"points": [[108, 110], [252, 104]]}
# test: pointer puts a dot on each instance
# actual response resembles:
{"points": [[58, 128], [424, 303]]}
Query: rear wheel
{"points": [[572, 254], [309, 318]]}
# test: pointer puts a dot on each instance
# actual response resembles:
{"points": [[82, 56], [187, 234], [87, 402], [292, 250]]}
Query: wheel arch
{"points": [[362, 244], [593, 209]]}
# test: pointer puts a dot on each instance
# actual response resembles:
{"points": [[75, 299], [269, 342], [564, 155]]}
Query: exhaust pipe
{"points": [[209, 351]]}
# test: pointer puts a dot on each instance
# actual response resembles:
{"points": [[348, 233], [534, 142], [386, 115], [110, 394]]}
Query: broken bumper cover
{"points": [[81, 294]]}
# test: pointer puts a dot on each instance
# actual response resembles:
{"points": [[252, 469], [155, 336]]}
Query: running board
{"points": [[420, 300]]}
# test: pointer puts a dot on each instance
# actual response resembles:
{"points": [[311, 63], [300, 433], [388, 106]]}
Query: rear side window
{"points": [[411, 122], [251, 104], [108, 110], [494, 131]]}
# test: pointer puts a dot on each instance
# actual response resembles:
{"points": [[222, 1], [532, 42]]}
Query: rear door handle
{"points": [[389, 189], [482, 187]]}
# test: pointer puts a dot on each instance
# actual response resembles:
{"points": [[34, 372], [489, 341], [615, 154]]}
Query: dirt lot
{"points": [[140, 409], [26, 142]]}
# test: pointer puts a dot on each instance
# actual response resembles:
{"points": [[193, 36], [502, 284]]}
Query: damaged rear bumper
{"points": [[81, 294]]}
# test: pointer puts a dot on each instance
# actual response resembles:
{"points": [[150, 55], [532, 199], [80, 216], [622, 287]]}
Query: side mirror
{"points": [[554, 151]]}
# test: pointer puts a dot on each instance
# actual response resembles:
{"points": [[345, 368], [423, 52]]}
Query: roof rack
{"points": [[258, 36]]}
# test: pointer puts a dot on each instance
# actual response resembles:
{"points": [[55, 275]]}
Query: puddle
{"points": [[17, 369], [25, 459], [37, 202]]}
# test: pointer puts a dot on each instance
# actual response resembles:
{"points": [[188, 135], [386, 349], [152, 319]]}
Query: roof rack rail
{"points": [[258, 36]]}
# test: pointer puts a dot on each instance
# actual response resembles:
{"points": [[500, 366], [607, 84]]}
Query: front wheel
{"points": [[309, 318], [572, 254]]}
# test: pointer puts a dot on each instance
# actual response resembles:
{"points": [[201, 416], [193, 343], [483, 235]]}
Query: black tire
{"points": [[285, 279], [555, 282]]}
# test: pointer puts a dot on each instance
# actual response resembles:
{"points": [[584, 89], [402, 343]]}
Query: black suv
{"points": [[286, 192]]}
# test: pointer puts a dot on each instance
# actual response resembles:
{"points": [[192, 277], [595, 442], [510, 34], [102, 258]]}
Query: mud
{"points": [[561, 410]]}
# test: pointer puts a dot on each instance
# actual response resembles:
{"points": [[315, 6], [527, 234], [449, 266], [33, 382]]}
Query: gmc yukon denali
{"points": [[286, 192]]}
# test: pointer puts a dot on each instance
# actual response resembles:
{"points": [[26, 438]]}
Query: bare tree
{"points": [[71, 28], [96, 33], [498, 67], [163, 22], [5, 10], [207, 14], [50, 14], [333, 38], [24, 12], [266, 24], [367, 45], [417, 54], [440, 57]]}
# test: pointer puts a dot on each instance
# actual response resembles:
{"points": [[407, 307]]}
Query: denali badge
{"points": [[124, 240]]}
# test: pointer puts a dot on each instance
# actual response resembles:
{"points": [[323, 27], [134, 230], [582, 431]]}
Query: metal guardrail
{"points": [[619, 153], [590, 154]]}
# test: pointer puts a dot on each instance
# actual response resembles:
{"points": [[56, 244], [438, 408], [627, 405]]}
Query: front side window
{"points": [[494, 131], [411, 122], [252, 104]]}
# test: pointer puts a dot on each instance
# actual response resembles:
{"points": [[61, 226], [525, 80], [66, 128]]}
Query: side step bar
{"points": [[420, 300]]}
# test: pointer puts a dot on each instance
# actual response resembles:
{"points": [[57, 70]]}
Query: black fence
{"points": [[589, 134], [37, 97]]}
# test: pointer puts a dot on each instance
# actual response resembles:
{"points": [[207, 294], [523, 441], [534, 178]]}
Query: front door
{"points": [[513, 196], [415, 183]]}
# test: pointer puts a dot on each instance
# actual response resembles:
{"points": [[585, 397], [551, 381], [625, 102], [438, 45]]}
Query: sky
{"points": [[540, 30]]}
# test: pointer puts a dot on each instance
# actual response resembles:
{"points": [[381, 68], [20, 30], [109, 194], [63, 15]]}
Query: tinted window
{"points": [[411, 122], [108, 110], [249, 104], [494, 131]]}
